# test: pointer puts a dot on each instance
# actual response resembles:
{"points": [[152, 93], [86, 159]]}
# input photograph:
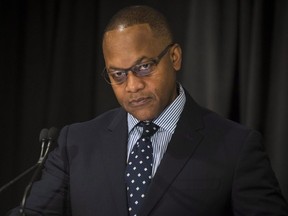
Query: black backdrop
{"points": [[235, 62]]}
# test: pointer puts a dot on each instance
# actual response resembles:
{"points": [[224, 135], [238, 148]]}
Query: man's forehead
{"points": [[125, 47], [122, 28]]}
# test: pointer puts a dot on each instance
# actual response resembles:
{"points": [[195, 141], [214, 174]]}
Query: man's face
{"points": [[143, 97]]}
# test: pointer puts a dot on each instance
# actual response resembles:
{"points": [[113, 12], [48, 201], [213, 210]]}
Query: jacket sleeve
{"points": [[255, 188]]}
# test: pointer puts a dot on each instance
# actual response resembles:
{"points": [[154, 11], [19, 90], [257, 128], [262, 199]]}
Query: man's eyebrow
{"points": [[138, 61]]}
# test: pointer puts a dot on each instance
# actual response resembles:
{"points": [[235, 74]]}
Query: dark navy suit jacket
{"points": [[212, 166]]}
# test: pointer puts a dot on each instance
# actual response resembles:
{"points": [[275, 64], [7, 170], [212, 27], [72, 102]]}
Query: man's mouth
{"points": [[138, 102]]}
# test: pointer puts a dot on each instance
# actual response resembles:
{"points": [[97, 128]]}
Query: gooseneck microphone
{"points": [[43, 139], [47, 137]]}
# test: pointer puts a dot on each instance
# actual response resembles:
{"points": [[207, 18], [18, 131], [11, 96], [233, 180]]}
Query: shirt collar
{"points": [[168, 119]]}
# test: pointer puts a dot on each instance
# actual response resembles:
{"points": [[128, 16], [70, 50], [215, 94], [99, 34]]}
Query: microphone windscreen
{"points": [[53, 133], [43, 134]]}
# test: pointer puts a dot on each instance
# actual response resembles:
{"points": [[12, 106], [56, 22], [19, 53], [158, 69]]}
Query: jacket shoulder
{"points": [[104, 119]]}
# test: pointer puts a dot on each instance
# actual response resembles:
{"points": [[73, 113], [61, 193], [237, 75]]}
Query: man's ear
{"points": [[176, 56]]}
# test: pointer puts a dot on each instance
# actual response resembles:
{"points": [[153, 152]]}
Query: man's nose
{"points": [[133, 82]]}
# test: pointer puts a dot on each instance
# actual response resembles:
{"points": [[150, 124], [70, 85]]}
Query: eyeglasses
{"points": [[119, 76]]}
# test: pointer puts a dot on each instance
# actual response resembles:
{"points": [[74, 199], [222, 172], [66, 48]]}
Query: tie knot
{"points": [[149, 128]]}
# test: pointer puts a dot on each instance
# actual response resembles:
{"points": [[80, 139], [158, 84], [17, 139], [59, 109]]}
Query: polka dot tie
{"points": [[139, 168]]}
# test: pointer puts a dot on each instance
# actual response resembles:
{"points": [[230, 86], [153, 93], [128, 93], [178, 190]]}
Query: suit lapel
{"points": [[114, 160], [181, 147]]}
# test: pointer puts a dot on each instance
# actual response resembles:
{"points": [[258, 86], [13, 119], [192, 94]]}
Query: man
{"points": [[202, 164]]}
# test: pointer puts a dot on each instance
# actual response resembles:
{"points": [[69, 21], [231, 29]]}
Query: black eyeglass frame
{"points": [[155, 61]]}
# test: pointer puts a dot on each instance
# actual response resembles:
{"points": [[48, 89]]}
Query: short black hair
{"points": [[140, 14]]}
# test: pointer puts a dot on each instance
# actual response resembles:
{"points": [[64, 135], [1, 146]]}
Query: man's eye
{"points": [[118, 74], [145, 66]]}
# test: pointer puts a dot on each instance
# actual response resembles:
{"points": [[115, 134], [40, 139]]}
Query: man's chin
{"points": [[142, 116]]}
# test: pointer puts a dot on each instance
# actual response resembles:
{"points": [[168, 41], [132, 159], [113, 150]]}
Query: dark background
{"points": [[235, 63]]}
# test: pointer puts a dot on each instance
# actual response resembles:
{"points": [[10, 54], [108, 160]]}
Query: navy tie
{"points": [[139, 168]]}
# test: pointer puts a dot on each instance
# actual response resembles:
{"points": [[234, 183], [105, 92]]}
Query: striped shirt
{"points": [[167, 122]]}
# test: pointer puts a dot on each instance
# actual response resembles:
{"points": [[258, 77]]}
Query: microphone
{"points": [[46, 139], [43, 139]]}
